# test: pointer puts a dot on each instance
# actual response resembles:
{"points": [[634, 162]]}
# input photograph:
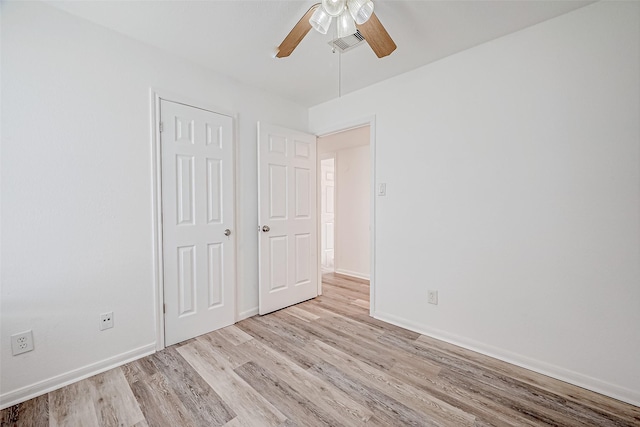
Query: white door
{"points": [[327, 215], [197, 211], [287, 215]]}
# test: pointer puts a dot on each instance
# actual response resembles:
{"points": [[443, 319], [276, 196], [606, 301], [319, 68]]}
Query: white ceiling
{"points": [[239, 38]]}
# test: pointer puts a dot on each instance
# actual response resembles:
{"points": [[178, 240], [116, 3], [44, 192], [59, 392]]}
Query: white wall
{"points": [[353, 187], [513, 188], [77, 190], [352, 203]]}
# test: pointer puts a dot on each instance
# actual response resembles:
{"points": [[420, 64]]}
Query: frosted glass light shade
{"points": [[334, 7], [320, 20], [361, 10], [346, 25]]}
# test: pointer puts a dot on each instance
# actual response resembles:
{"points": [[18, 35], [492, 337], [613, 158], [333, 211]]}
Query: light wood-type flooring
{"points": [[324, 362]]}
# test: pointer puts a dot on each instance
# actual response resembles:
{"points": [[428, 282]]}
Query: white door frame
{"points": [[371, 122], [156, 96]]}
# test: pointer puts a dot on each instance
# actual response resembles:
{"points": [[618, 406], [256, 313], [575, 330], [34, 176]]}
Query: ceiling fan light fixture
{"points": [[334, 7], [346, 25], [361, 10], [320, 20]]}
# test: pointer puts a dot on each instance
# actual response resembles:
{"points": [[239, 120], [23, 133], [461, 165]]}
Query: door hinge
{"points": [[164, 308], [161, 127]]}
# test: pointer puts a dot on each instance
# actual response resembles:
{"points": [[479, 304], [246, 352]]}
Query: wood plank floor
{"points": [[324, 362]]}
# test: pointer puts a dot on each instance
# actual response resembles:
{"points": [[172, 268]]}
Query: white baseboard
{"points": [[247, 313], [353, 274], [37, 389], [553, 371]]}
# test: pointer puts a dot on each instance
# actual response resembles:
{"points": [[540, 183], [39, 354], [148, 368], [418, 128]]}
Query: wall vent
{"points": [[345, 44]]}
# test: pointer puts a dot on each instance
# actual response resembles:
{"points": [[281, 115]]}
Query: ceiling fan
{"points": [[352, 16]]}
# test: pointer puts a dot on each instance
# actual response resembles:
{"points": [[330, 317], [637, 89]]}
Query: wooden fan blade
{"points": [[296, 35], [375, 34]]}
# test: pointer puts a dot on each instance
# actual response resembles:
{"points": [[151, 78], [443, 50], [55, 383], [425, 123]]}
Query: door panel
{"points": [[197, 208], [303, 255], [287, 215], [186, 280], [216, 281], [214, 191]]}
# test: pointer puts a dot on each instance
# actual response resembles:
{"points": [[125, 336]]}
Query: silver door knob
{"points": [[265, 228], [227, 232]]}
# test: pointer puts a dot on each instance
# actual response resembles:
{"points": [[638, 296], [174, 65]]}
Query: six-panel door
{"points": [[197, 209], [287, 214]]}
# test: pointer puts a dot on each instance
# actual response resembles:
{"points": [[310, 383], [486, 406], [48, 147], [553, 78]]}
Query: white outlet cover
{"points": [[432, 297], [22, 342], [106, 321]]}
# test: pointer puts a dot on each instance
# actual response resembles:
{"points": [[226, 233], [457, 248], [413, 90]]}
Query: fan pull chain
{"points": [[335, 37], [339, 75]]}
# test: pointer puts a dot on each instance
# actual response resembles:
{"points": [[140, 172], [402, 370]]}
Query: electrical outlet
{"points": [[22, 342], [432, 297], [106, 321]]}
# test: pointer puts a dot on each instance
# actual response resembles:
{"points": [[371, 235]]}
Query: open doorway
{"points": [[345, 205]]}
